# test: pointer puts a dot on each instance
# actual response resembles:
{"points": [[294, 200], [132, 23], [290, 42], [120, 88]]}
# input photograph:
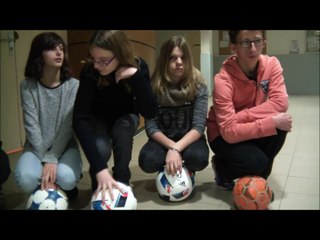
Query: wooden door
{"points": [[78, 50]]}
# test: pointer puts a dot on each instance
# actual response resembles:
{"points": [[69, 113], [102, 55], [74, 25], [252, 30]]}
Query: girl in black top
{"points": [[114, 89]]}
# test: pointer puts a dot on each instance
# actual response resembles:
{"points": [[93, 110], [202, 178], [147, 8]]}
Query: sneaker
{"points": [[272, 196], [2, 201], [72, 194], [220, 180]]}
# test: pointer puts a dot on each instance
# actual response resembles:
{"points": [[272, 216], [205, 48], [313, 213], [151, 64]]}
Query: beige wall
{"points": [[278, 41], [10, 132]]}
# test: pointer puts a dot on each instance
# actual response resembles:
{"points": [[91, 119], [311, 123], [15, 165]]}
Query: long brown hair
{"points": [[160, 78], [117, 42]]}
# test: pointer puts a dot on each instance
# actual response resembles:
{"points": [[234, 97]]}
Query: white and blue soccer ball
{"points": [[175, 188], [126, 201], [51, 199]]}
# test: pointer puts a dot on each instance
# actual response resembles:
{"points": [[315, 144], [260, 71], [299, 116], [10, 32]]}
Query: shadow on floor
{"points": [[15, 200]]}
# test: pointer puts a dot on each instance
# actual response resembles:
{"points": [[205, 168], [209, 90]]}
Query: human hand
{"points": [[106, 182], [49, 173], [125, 72], [173, 162], [283, 121]]}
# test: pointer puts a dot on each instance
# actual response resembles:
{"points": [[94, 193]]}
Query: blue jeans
{"points": [[152, 156], [28, 172]]}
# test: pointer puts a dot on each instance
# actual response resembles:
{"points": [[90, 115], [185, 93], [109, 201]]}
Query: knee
{"points": [[27, 181], [148, 168], [66, 178], [125, 127], [256, 164], [122, 127], [197, 165], [203, 163], [147, 165], [197, 160]]}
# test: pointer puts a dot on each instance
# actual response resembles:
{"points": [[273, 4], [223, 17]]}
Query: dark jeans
{"points": [[153, 156], [119, 138], [253, 157], [4, 166]]}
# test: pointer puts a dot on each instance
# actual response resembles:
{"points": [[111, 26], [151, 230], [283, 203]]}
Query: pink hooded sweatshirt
{"points": [[242, 108]]}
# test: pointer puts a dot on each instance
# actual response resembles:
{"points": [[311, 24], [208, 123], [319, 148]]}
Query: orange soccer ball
{"points": [[252, 193]]}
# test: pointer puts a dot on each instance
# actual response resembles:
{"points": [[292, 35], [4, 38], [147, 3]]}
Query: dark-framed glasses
{"points": [[248, 43], [102, 61]]}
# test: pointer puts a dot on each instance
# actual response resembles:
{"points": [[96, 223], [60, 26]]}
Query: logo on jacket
{"points": [[264, 85]]}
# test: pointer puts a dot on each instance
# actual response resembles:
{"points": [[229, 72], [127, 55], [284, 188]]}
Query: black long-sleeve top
{"points": [[131, 95]]}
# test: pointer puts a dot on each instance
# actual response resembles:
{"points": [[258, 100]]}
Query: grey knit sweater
{"points": [[47, 116], [176, 121]]}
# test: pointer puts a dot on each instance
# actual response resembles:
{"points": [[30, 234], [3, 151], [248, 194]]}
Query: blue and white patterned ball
{"points": [[53, 199]]}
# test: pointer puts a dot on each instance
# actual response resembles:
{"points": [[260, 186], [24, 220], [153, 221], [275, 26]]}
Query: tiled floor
{"points": [[294, 179]]}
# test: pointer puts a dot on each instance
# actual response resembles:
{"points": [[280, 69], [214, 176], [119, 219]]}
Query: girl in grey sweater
{"points": [[176, 134], [51, 155]]}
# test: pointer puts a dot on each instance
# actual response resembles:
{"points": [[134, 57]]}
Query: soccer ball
{"points": [[175, 188], [125, 201], [51, 199], [252, 193]]}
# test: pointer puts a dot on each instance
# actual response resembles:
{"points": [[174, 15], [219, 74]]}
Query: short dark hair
{"points": [[35, 63], [234, 33]]}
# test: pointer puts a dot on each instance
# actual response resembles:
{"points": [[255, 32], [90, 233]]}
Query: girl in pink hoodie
{"points": [[247, 123]]}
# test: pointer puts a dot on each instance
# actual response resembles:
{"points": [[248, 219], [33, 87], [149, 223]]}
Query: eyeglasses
{"points": [[248, 43], [102, 62]]}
